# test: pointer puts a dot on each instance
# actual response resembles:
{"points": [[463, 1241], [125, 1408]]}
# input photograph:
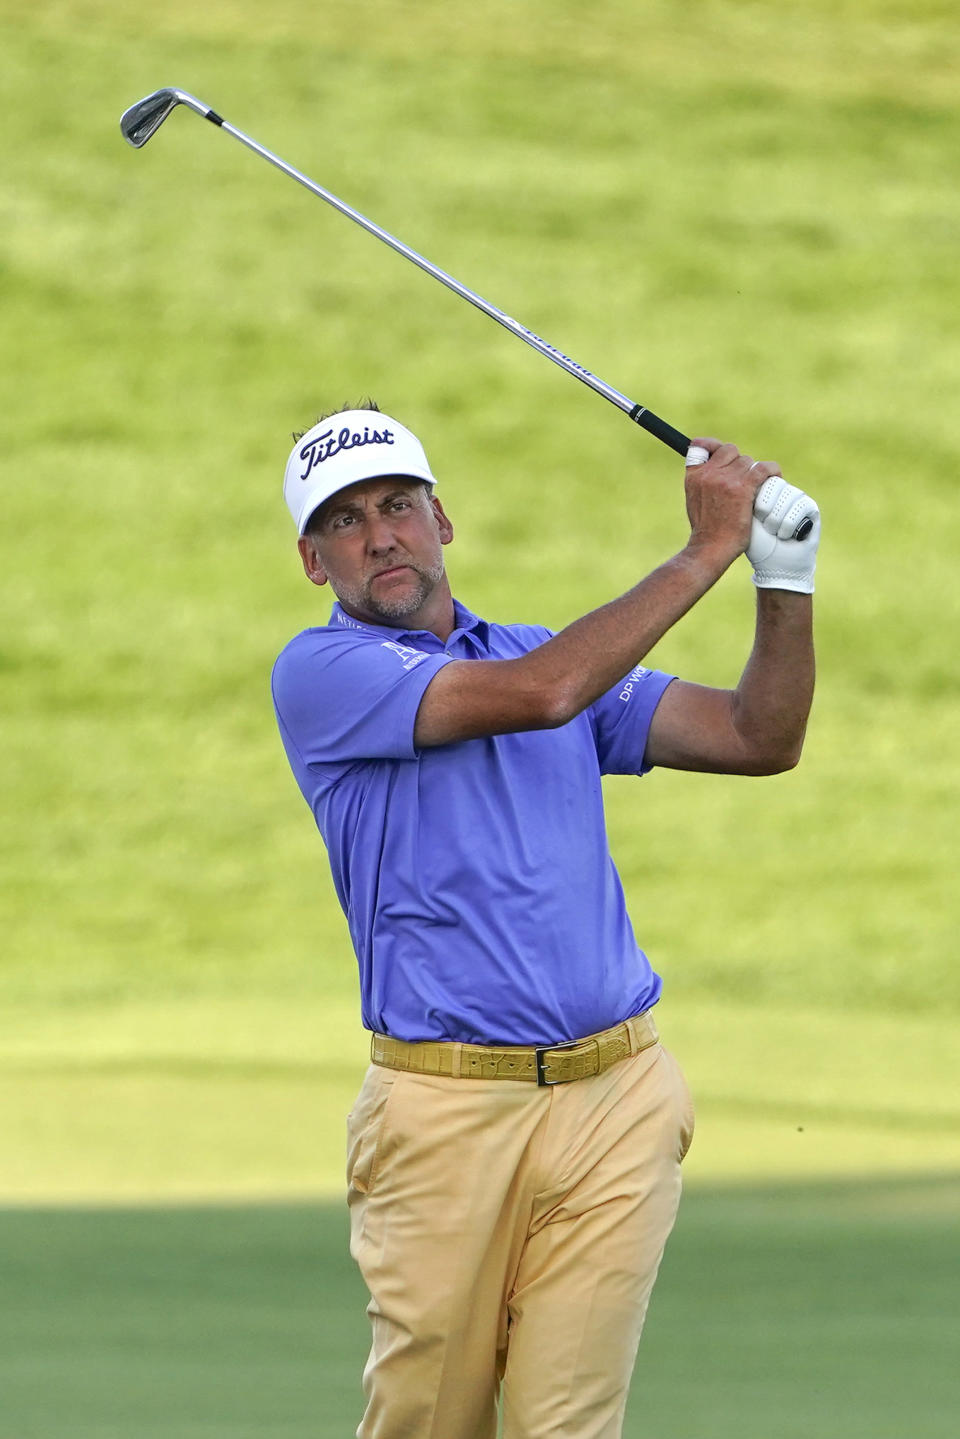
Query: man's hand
{"points": [[779, 561], [720, 496]]}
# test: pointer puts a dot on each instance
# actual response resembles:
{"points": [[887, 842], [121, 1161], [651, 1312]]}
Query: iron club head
{"points": [[145, 117]]}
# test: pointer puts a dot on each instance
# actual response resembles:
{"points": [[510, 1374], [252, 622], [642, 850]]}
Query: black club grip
{"points": [[647, 420]]}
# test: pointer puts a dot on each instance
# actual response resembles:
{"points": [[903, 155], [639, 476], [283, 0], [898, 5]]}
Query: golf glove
{"points": [[779, 561]]}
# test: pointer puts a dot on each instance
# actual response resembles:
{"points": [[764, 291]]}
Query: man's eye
{"points": [[400, 505], [340, 522]]}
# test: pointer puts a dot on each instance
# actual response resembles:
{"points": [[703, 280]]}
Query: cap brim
{"points": [[311, 504]]}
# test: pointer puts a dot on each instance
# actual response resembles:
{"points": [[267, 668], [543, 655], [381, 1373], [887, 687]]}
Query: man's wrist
{"points": [[783, 602], [708, 557]]}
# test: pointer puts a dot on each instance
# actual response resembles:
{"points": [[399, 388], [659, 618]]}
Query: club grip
{"points": [[647, 420]]}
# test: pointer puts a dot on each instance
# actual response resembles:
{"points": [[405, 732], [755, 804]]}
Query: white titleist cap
{"points": [[350, 446]]}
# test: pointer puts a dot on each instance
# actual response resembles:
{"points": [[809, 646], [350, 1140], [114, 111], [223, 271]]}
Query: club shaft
{"points": [[638, 413], [144, 118]]}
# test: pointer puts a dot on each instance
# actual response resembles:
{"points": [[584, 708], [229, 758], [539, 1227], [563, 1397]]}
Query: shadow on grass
{"points": [[780, 1313]]}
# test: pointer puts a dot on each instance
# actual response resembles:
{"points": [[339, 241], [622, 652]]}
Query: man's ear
{"points": [[443, 524], [312, 567]]}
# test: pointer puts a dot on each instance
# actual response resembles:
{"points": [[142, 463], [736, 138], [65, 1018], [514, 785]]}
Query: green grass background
{"points": [[745, 215]]}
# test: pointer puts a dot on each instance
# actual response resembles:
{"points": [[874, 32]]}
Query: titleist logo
{"points": [[325, 446]]}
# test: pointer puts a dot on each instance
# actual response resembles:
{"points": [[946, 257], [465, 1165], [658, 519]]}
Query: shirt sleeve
{"points": [[350, 697], [622, 717]]}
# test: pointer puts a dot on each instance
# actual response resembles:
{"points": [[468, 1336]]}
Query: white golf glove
{"points": [[779, 561]]}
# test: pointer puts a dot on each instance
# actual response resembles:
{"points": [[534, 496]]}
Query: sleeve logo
{"points": [[411, 657], [632, 679]]}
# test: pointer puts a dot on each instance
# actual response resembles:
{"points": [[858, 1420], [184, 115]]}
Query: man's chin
{"points": [[398, 609], [390, 598], [398, 598]]}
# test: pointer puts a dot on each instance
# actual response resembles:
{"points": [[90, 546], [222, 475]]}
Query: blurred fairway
{"points": [[745, 215]]}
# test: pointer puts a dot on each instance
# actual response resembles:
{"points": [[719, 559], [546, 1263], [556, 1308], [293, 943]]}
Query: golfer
{"points": [[514, 1152]]}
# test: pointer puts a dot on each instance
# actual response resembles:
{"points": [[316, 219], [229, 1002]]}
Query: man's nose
{"points": [[379, 533]]}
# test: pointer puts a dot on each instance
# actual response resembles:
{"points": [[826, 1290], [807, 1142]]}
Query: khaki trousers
{"points": [[510, 1236]]}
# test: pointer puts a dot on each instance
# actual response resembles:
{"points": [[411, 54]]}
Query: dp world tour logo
{"points": [[325, 446], [635, 677]]}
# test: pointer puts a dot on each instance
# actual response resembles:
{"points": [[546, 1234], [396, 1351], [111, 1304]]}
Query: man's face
{"points": [[379, 543]]}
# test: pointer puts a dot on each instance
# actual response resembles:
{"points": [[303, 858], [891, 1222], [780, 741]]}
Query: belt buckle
{"points": [[542, 1081]]}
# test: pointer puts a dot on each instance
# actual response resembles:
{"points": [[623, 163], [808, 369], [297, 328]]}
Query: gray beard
{"points": [[401, 606]]}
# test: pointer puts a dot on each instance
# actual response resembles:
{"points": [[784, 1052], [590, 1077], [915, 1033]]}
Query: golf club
{"points": [[142, 120]]}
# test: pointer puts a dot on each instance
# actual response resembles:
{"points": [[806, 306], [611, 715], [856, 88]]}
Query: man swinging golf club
{"points": [[515, 1149]]}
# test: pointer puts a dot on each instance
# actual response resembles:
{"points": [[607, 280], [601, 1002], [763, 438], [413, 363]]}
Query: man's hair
{"points": [[366, 404]]}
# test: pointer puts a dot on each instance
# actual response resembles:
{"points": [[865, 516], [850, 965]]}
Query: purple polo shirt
{"points": [[476, 878]]}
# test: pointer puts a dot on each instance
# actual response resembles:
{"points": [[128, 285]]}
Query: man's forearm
{"points": [[582, 662], [551, 684], [772, 701]]}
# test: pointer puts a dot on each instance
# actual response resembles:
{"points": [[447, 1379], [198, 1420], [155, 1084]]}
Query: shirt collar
{"points": [[466, 623]]}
